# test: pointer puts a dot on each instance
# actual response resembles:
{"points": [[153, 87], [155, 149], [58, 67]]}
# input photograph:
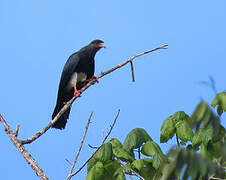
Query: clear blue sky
{"points": [[38, 36]]}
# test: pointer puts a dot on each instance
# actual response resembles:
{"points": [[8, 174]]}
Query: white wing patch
{"points": [[76, 77]]}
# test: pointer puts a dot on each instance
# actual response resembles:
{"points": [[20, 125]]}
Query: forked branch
{"points": [[27, 156], [68, 104], [104, 139]]}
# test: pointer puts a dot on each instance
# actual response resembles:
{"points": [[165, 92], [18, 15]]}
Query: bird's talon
{"points": [[92, 78], [78, 93], [96, 78]]}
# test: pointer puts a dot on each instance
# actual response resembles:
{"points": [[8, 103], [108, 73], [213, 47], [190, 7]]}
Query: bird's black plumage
{"points": [[78, 68]]}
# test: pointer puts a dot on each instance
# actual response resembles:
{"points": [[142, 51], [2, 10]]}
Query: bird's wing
{"points": [[68, 70]]}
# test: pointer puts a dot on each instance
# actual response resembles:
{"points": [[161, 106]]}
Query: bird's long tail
{"points": [[61, 122]]}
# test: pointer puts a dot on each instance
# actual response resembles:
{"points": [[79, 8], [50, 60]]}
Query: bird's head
{"points": [[98, 44]]}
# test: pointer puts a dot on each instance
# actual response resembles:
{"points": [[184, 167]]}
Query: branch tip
{"points": [[132, 71]]}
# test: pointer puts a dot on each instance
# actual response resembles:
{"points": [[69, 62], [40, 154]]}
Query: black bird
{"points": [[78, 69]]}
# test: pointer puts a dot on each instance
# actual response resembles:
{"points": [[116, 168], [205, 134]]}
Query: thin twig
{"points": [[104, 139], [132, 71], [27, 156], [17, 130], [138, 175], [211, 83], [69, 162], [93, 147], [80, 147], [68, 104]]}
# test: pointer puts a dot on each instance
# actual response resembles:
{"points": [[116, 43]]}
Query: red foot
{"points": [[77, 92], [92, 78]]}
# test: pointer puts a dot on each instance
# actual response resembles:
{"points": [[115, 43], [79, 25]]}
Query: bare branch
{"points": [[68, 104], [38, 134], [27, 156], [104, 139], [80, 147]]}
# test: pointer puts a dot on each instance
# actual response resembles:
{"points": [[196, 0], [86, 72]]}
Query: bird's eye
{"points": [[97, 45]]}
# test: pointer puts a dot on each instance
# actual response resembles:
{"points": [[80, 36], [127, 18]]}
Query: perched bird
{"points": [[78, 70]]}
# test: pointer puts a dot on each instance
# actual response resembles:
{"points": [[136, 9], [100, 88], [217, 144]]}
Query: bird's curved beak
{"points": [[102, 45]]}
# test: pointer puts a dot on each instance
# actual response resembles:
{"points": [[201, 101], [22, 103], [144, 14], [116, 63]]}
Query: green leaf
{"points": [[179, 122], [210, 134], [119, 152], [135, 139], [220, 101], [104, 154], [122, 154], [198, 137], [167, 129], [184, 130], [138, 164], [110, 171], [181, 115], [200, 112], [158, 159], [115, 143], [119, 174], [148, 172], [96, 172], [223, 154], [113, 171], [144, 168], [210, 130], [203, 113], [212, 150], [151, 148]]}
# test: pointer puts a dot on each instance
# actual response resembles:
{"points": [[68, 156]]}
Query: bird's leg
{"points": [[92, 78], [76, 92]]}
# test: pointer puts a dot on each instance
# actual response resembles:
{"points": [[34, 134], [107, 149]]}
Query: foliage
{"points": [[106, 162], [200, 152], [180, 124], [220, 102], [185, 163]]}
